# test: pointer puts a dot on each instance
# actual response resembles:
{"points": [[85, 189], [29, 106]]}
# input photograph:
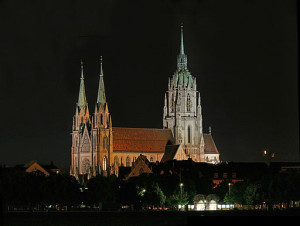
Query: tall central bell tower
{"points": [[182, 109]]}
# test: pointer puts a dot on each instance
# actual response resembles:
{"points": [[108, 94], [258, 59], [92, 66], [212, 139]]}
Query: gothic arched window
{"points": [[101, 119], [128, 161], [172, 103], [105, 143], [151, 159], [189, 134], [188, 103], [104, 163]]}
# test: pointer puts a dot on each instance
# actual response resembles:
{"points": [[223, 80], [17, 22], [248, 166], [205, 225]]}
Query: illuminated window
{"points": [[224, 175], [104, 163], [233, 175], [216, 175], [151, 159], [128, 161]]}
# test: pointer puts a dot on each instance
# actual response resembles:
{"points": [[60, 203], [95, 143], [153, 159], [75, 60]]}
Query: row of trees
{"points": [[34, 190], [20, 189], [270, 189]]}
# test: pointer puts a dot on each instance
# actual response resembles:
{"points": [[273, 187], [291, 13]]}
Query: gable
{"points": [[85, 142], [174, 152], [139, 167], [209, 145], [36, 167]]}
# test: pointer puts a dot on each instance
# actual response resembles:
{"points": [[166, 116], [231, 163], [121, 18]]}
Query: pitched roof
{"points": [[209, 144], [170, 152], [140, 166], [140, 139]]}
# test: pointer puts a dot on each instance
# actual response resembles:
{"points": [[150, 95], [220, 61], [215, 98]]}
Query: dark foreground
{"points": [[132, 218]]}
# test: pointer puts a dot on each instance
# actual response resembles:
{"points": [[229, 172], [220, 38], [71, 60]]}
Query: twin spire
{"points": [[101, 98], [82, 103]]}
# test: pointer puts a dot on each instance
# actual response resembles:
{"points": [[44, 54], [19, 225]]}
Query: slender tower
{"points": [[182, 110], [102, 130], [81, 138]]}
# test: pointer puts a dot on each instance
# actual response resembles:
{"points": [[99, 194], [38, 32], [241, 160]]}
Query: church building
{"points": [[99, 148]]}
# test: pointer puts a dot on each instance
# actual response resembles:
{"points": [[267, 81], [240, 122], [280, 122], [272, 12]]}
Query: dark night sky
{"points": [[243, 53]]}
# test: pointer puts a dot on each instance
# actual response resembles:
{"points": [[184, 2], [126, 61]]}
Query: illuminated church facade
{"points": [[99, 148]]}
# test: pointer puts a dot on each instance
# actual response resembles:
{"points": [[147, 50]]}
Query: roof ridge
{"points": [[139, 128]]}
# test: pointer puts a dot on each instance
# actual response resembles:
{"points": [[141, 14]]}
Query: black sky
{"points": [[244, 54]]}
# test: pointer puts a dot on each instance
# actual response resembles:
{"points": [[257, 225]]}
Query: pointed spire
{"points": [[181, 46], [181, 58], [101, 70], [101, 98], [82, 97]]}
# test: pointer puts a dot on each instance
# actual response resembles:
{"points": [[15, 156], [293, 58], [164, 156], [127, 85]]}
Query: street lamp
{"points": [[229, 184], [181, 185], [269, 155]]}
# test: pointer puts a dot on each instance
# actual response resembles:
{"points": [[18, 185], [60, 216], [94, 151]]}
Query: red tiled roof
{"points": [[140, 139], [209, 144]]}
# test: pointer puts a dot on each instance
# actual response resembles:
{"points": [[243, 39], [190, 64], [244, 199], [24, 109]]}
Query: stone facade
{"points": [[99, 148], [91, 136], [182, 112]]}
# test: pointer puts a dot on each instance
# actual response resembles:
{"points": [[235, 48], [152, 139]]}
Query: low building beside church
{"points": [[35, 167]]}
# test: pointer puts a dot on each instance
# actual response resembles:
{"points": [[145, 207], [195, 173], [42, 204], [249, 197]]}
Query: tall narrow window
{"points": [[105, 143], [189, 134], [188, 103], [104, 163], [101, 119]]}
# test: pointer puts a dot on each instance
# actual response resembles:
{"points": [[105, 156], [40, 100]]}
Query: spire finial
{"points": [[101, 70], [81, 63], [181, 58], [181, 47]]}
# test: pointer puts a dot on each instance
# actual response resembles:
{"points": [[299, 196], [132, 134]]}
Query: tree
{"points": [[154, 196], [177, 199], [101, 189]]}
